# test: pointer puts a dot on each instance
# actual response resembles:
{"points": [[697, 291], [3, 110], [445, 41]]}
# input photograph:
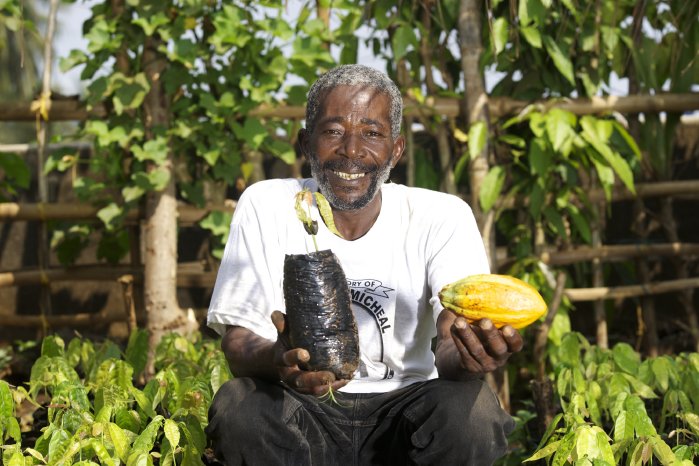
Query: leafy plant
{"points": [[97, 413], [619, 409]]}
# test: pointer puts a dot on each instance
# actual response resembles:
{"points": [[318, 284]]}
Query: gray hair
{"points": [[355, 75]]}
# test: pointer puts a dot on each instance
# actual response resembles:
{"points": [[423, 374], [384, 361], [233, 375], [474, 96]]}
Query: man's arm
{"points": [[466, 351], [250, 355]]}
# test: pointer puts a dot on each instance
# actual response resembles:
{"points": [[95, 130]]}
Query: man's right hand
{"points": [[291, 361]]}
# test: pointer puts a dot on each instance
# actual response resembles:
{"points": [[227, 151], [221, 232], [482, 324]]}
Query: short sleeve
{"points": [[248, 284], [455, 249]]}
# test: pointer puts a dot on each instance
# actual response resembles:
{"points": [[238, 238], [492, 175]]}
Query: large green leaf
{"points": [[492, 187], [560, 59], [403, 39]]}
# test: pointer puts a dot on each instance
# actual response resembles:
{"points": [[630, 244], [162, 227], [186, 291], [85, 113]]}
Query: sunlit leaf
{"points": [[477, 138], [560, 59], [492, 187]]}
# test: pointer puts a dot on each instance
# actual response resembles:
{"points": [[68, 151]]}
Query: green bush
{"points": [[96, 414], [614, 407]]}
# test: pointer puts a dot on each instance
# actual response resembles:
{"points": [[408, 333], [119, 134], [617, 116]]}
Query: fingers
{"points": [[513, 338], [295, 357], [313, 383], [279, 321], [483, 347], [291, 364]]}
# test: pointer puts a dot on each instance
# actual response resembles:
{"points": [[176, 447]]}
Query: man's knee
{"points": [[463, 421], [472, 409]]}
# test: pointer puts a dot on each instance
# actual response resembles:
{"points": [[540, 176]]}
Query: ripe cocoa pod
{"points": [[503, 299]]}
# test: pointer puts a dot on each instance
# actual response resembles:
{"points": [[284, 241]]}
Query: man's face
{"points": [[351, 150]]}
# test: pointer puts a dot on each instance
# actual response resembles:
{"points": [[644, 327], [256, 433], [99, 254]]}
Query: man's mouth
{"points": [[348, 176]]}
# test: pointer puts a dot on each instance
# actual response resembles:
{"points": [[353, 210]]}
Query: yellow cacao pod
{"points": [[503, 299]]}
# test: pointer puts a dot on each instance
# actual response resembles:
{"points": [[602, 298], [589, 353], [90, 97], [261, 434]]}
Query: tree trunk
{"points": [[160, 231], [476, 104], [41, 138], [686, 296]]}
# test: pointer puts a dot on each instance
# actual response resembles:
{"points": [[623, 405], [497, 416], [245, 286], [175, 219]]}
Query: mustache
{"points": [[349, 166]]}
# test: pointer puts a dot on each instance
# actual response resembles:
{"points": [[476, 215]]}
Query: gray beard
{"points": [[378, 177]]}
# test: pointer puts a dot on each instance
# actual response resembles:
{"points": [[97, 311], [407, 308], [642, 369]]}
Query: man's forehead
{"points": [[345, 98]]}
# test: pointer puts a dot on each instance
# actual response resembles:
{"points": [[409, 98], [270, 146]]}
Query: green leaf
{"points": [[662, 451], [500, 34], [172, 433], [560, 59], [252, 132], [545, 452], [540, 159], [16, 171], [119, 440], [532, 35], [692, 420], [537, 196], [581, 224], [58, 444], [159, 178], [155, 149], [52, 346], [492, 187], [146, 440], [477, 138], [403, 38], [569, 351], [136, 353], [661, 370], [626, 358], [326, 213], [636, 410], [630, 141], [623, 427], [591, 442], [110, 215], [132, 193], [7, 404], [597, 133], [639, 387], [151, 23], [101, 452], [555, 221], [282, 150], [559, 127], [143, 402], [12, 430]]}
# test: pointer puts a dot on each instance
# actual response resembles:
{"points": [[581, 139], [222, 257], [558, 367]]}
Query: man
{"points": [[405, 404]]}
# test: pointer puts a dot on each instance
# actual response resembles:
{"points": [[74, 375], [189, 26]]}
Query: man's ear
{"points": [[398, 149], [302, 141]]}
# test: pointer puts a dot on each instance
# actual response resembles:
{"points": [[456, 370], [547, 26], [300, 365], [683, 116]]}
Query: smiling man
{"points": [[406, 403]]}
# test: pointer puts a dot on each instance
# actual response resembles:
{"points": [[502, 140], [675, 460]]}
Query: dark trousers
{"points": [[257, 423]]}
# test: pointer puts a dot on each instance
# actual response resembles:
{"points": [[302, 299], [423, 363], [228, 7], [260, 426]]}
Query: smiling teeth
{"points": [[349, 176]]}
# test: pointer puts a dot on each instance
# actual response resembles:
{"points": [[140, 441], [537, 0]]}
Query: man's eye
{"points": [[373, 134]]}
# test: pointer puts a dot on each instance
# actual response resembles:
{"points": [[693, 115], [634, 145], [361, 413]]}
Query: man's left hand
{"points": [[482, 347]]}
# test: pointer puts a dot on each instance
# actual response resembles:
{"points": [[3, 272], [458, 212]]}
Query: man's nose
{"points": [[352, 146]]}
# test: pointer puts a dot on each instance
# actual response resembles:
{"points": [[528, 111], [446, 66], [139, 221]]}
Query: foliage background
{"points": [[223, 67]]}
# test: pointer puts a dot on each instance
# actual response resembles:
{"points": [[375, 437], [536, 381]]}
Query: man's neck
{"points": [[353, 224]]}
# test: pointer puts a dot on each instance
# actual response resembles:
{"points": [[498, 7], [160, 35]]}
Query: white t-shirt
{"points": [[421, 241]]}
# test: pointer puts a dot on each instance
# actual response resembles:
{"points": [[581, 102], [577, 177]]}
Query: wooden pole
{"points": [[75, 110], [631, 291], [187, 276], [41, 108], [187, 214], [620, 193], [620, 252]]}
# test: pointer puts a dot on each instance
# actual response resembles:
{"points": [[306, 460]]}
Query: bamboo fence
{"points": [[198, 276]]}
